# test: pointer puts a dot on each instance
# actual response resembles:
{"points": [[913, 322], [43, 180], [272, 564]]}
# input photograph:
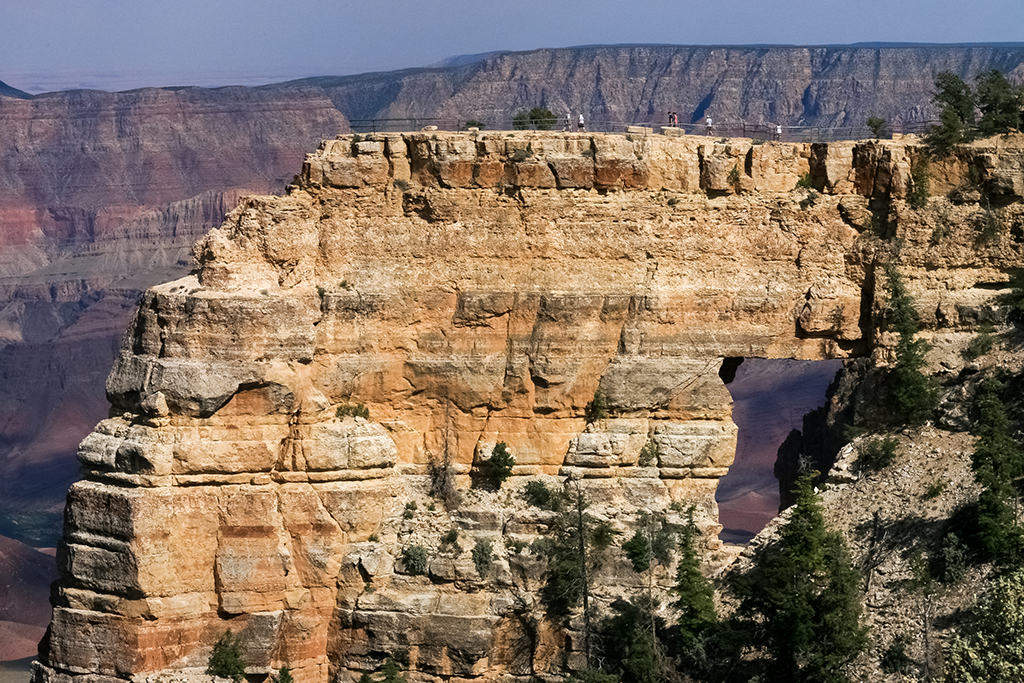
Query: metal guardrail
{"points": [[758, 131]]}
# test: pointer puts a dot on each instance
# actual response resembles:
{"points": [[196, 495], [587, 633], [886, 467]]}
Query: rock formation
{"points": [[81, 172], [470, 289]]}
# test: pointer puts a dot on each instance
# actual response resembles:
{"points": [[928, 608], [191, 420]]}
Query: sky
{"points": [[50, 45]]}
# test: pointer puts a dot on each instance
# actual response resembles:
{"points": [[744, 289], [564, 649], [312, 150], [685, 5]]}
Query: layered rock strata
{"points": [[470, 289]]}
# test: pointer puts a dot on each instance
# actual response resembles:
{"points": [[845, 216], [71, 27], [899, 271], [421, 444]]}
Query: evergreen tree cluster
{"points": [[993, 106], [799, 614]]}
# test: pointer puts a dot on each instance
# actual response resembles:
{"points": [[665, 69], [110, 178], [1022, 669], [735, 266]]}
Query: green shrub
{"points": [[410, 510], [895, 659], [283, 676], [805, 182], [516, 547], [373, 538], [810, 200], [522, 154], [540, 118], [539, 495], [496, 469], [877, 454], [734, 179], [226, 658], [877, 127], [601, 535], [649, 454], [989, 649], [402, 185], [980, 344], [597, 408], [450, 541], [473, 123], [952, 560], [353, 411], [542, 547], [935, 490], [483, 556], [415, 559]]}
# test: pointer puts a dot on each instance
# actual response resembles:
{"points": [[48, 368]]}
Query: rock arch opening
{"points": [[770, 398]]}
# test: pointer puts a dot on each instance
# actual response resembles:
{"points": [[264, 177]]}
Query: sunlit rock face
{"points": [[467, 289]]}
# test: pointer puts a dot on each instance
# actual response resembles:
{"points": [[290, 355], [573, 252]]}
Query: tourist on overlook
{"points": [[778, 132], [568, 121], [581, 127], [707, 123]]}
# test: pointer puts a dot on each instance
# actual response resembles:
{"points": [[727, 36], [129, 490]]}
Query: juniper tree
{"points": [[999, 102], [956, 104], [226, 658], [498, 467]]}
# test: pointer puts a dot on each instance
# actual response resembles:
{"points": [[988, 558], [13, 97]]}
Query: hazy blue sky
{"points": [[119, 44]]}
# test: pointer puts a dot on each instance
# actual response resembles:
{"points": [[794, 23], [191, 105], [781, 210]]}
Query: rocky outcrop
{"points": [[470, 289]]}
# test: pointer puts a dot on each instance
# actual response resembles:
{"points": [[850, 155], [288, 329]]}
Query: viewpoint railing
{"points": [[758, 131]]}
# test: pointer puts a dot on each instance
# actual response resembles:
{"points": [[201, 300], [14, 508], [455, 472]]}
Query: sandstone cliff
{"points": [[470, 289]]}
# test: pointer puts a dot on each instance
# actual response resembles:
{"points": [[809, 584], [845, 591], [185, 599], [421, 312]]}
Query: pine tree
{"points": [[694, 596], [913, 395], [636, 645], [998, 461], [570, 556], [801, 602], [999, 102]]}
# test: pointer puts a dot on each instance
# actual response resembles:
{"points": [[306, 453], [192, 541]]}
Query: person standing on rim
{"points": [[581, 127], [707, 123], [568, 121]]}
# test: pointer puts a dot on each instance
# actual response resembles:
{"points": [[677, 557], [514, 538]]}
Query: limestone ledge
{"points": [[605, 161]]}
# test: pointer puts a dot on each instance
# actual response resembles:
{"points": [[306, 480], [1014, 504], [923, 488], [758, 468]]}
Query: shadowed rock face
{"points": [[101, 196], [815, 86], [471, 289]]}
